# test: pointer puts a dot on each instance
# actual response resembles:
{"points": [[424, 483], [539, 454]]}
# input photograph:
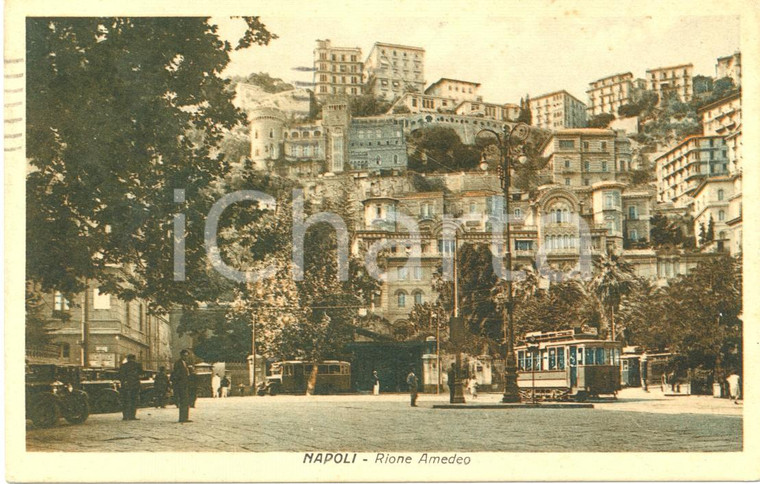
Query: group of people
{"points": [[182, 383], [412, 383]]}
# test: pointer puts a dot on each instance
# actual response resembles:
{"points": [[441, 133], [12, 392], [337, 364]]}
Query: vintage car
{"points": [[55, 391]]}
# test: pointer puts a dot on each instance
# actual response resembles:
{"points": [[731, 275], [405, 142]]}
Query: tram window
{"points": [[589, 356], [334, 369], [580, 356], [345, 369], [561, 358], [600, 354], [552, 359], [615, 356], [322, 369], [288, 370], [521, 360], [528, 360]]}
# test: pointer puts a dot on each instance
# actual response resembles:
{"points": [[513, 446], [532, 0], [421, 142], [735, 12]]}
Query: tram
{"points": [[293, 376], [572, 364]]}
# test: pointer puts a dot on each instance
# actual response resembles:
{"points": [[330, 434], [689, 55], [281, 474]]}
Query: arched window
{"points": [[401, 299], [377, 160], [65, 350], [271, 133], [518, 213], [395, 159], [417, 297], [721, 215], [565, 216]]}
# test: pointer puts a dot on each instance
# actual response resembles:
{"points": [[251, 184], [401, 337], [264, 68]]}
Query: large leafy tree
{"points": [[109, 125]]}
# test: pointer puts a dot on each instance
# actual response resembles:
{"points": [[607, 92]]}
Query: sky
{"points": [[509, 56]]}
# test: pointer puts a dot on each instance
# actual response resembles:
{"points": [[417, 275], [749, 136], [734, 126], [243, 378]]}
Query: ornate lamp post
{"points": [[511, 144]]}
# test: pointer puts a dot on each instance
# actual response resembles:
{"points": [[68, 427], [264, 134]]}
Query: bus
{"points": [[293, 376]]}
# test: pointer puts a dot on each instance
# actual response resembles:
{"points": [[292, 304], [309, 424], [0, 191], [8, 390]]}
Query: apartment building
{"points": [[455, 89], [723, 116], [607, 94], [377, 143], [391, 70], [730, 66], [558, 110], [681, 169], [666, 81], [583, 157], [338, 71], [711, 207], [99, 330]]}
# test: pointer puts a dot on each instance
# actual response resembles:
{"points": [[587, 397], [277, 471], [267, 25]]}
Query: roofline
{"points": [[687, 139], [451, 79], [670, 67], [557, 92], [730, 97], [611, 76], [385, 44]]}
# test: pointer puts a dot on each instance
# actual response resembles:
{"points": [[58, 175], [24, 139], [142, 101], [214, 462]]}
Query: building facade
{"points": [[392, 70], [723, 116], [558, 110], [666, 81], [606, 95], [455, 89], [377, 143], [730, 66], [109, 328], [711, 212], [582, 157], [338, 71], [681, 169]]}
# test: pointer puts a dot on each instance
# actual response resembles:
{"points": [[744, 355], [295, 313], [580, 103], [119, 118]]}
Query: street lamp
{"points": [[511, 144]]}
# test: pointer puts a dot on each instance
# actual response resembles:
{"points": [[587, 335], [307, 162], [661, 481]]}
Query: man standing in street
{"points": [[181, 385], [224, 386], [129, 375], [734, 387], [412, 381], [160, 387]]}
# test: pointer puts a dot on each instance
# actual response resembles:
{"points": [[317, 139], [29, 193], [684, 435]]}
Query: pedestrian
{"points": [[181, 385], [224, 386], [375, 383], [412, 382], [129, 375], [734, 386], [216, 386], [473, 387], [160, 387], [451, 376], [644, 372]]}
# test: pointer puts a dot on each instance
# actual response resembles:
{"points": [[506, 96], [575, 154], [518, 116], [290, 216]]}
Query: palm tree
{"points": [[613, 279]]}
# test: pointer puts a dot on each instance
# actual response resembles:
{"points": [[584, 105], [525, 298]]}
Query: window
{"points": [[567, 182], [633, 235], [473, 208], [589, 356], [560, 358], [721, 194], [61, 303], [633, 212], [395, 159], [426, 210], [418, 297], [566, 144], [567, 163], [552, 359], [604, 146], [518, 213], [65, 350], [402, 273], [417, 272], [585, 145], [446, 246], [100, 301], [604, 166], [721, 216], [401, 299]]}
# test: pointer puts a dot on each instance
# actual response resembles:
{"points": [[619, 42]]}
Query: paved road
{"points": [[365, 423]]}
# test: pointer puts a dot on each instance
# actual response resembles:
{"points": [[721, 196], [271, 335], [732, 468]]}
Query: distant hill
{"points": [[294, 102]]}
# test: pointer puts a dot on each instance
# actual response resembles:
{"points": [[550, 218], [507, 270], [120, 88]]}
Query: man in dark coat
{"points": [[181, 385], [413, 383], [160, 387], [129, 375]]}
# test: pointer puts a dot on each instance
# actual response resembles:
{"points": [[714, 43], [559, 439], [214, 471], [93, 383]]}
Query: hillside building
{"points": [[391, 70], [338, 71], [558, 110], [666, 81]]}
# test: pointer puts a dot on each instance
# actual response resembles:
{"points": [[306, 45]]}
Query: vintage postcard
{"points": [[381, 241]]}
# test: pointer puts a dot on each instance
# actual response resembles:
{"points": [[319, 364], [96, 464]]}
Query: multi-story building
{"points": [[106, 329], [267, 127], [558, 110], [455, 89], [711, 212], [666, 81], [304, 149], [392, 70], [377, 143], [607, 94], [723, 116], [582, 157], [413, 103], [734, 222], [681, 169], [338, 71], [730, 66]]}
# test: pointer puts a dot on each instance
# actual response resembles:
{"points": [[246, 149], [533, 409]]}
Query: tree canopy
{"points": [[108, 130]]}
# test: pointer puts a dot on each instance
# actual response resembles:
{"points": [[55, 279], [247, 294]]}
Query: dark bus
{"points": [[293, 376]]}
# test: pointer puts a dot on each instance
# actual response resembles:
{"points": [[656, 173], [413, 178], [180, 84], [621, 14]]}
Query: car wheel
{"points": [[107, 402], [78, 408], [43, 411]]}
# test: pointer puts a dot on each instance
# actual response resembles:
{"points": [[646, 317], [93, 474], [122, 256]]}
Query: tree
{"points": [[629, 110], [266, 82], [108, 142], [525, 116], [601, 120], [439, 149], [613, 280], [367, 105], [37, 328], [710, 234], [641, 316], [476, 282]]}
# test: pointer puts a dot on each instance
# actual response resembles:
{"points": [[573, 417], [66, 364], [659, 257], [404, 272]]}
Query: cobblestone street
{"points": [[637, 421]]}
